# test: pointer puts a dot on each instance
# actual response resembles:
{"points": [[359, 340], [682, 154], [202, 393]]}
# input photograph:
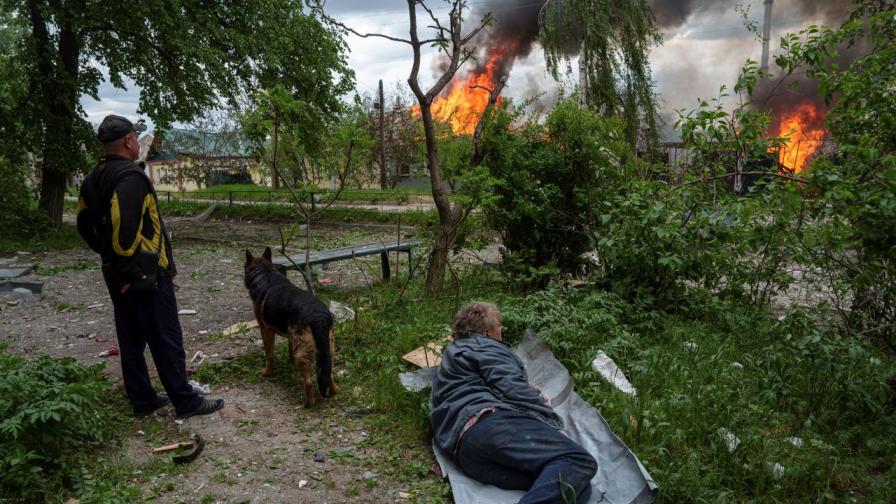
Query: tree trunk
{"points": [[381, 151], [52, 193], [438, 257], [448, 215], [275, 173], [59, 85]]}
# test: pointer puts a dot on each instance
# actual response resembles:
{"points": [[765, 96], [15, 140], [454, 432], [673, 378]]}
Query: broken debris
{"points": [[341, 312], [109, 352], [200, 388], [239, 327], [9, 285], [172, 447], [730, 439], [604, 366], [14, 271], [22, 294], [419, 380]]}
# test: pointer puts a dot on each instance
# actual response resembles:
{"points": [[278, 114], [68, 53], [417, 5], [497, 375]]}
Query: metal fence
{"points": [[369, 197]]}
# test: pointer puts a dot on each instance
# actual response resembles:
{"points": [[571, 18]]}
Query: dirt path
{"points": [[262, 447]]}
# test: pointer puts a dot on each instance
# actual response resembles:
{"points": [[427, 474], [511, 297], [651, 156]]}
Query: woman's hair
{"points": [[476, 317]]}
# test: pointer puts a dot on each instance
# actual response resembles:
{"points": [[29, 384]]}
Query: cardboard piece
{"points": [[426, 356]]}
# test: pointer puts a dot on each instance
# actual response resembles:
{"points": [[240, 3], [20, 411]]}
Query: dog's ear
{"points": [[267, 253], [249, 257]]}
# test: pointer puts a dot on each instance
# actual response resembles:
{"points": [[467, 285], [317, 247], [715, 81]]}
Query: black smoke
{"points": [[516, 22], [514, 31], [516, 28]]}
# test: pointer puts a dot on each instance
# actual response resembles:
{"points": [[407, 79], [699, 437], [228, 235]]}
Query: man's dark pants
{"points": [[516, 452], [151, 319]]}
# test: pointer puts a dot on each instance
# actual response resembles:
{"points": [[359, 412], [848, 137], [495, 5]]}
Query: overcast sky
{"points": [[703, 53]]}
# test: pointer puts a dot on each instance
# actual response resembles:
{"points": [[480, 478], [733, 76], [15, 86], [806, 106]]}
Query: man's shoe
{"points": [[204, 408], [160, 402]]}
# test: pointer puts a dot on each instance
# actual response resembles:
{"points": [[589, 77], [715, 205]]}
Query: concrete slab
{"points": [[10, 285], [14, 271]]}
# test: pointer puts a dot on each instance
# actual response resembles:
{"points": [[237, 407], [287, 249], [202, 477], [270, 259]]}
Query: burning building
{"points": [[797, 108]]}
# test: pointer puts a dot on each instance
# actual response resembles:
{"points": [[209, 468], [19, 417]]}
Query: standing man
{"points": [[498, 428], [118, 217]]}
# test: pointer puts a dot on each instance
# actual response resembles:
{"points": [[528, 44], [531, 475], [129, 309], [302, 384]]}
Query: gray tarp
{"points": [[620, 478]]}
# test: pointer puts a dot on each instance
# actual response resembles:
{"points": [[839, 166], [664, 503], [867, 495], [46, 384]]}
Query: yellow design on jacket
{"points": [[140, 239]]}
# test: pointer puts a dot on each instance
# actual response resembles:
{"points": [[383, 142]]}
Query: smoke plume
{"points": [[515, 32]]}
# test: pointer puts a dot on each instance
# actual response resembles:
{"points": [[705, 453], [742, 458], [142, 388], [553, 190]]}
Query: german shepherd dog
{"points": [[283, 308]]}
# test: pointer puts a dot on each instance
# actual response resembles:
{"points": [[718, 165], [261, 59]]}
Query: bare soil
{"points": [[261, 447]]}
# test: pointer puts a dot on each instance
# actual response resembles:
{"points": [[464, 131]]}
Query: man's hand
{"points": [[125, 287], [544, 397]]}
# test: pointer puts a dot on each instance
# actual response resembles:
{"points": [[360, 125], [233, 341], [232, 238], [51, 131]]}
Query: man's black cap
{"points": [[114, 127]]}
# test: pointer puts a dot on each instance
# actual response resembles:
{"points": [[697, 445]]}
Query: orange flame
{"points": [[801, 127], [464, 102]]}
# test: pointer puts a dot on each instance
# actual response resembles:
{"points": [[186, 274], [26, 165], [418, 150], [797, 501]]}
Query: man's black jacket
{"points": [[118, 214]]}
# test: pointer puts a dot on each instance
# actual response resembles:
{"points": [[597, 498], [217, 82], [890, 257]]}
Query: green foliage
{"points": [[551, 180], [186, 56], [718, 364], [307, 149], [54, 415], [657, 244], [613, 40], [19, 217], [350, 130], [13, 89], [713, 364], [856, 205], [723, 142], [63, 239]]}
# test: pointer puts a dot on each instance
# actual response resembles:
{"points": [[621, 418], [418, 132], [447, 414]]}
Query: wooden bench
{"points": [[324, 257]]}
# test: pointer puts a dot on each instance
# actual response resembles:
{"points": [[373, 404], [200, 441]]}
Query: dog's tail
{"points": [[321, 333]]}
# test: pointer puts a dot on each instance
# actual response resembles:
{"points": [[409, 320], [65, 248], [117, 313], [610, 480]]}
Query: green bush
{"points": [[855, 207], [55, 413], [20, 219], [657, 244], [551, 179], [720, 364]]}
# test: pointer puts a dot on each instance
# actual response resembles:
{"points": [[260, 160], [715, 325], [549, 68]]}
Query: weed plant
{"points": [[57, 417]]}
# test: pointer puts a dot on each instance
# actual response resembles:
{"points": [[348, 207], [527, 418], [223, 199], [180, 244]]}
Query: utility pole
{"points": [[381, 105], [583, 79], [766, 34]]}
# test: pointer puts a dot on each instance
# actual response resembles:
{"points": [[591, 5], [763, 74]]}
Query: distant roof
{"points": [[180, 141]]}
